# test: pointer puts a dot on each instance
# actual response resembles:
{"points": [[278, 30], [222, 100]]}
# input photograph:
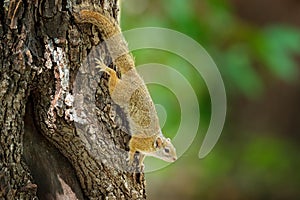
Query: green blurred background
{"points": [[256, 46]]}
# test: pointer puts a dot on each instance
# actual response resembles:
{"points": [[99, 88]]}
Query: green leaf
{"points": [[277, 47], [240, 71]]}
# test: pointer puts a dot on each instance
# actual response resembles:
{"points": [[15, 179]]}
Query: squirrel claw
{"points": [[100, 65]]}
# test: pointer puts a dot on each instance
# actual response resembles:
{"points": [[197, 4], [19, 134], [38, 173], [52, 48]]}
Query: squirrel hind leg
{"points": [[113, 78]]}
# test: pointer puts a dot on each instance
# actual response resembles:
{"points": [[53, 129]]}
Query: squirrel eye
{"points": [[167, 150]]}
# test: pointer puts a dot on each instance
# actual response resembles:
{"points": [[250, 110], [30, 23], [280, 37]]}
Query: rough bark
{"points": [[45, 60]]}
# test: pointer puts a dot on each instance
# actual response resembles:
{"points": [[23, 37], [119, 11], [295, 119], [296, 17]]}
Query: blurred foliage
{"points": [[243, 165], [234, 44]]}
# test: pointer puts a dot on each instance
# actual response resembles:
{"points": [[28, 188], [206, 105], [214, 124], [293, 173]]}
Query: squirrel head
{"points": [[164, 149]]}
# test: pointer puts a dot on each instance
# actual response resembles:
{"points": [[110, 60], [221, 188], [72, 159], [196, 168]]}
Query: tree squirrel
{"points": [[130, 93]]}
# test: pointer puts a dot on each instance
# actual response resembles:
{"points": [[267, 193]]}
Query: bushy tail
{"points": [[112, 36]]}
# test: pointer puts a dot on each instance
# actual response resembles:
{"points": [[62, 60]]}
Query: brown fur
{"points": [[130, 93]]}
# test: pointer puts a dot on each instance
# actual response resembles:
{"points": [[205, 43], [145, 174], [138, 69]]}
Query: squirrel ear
{"points": [[158, 142]]}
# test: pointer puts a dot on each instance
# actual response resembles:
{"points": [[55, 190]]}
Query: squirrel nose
{"points": [[174, 159]]}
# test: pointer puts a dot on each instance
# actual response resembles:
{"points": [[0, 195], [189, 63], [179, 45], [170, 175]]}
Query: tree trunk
{"points": [[52, 147]]}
